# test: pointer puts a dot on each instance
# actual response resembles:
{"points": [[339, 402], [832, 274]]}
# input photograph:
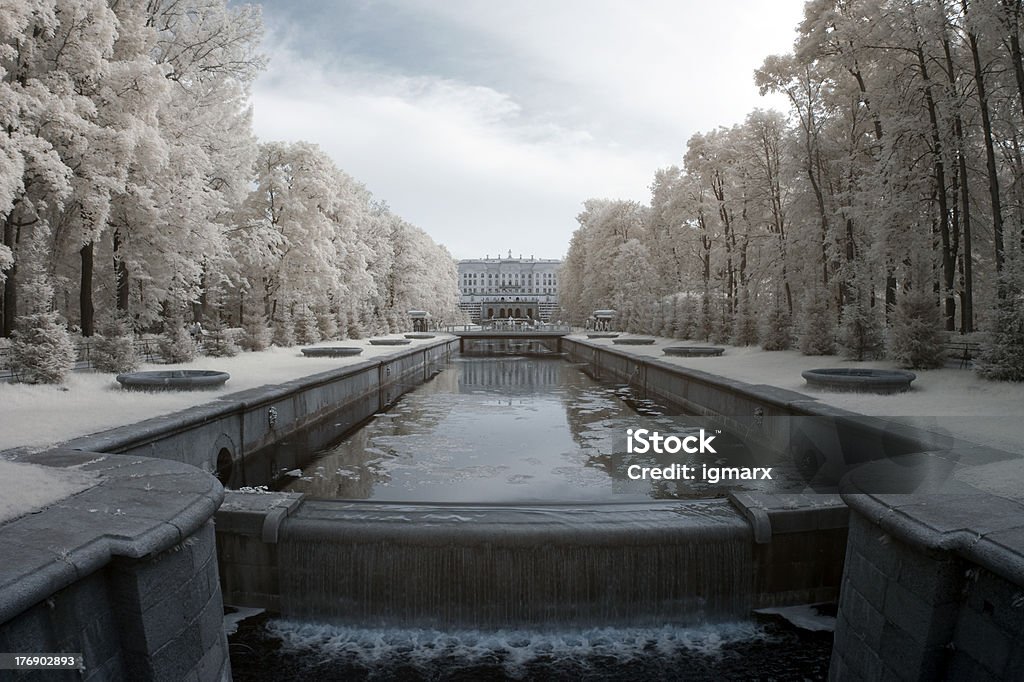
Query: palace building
{"points": [[500, 288]]}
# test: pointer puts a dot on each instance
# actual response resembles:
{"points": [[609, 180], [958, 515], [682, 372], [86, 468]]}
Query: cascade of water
{"points": [[489, 567]]}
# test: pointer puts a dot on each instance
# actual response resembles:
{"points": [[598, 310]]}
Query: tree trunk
{"points": [[120, 275], [990, 154], [967, 300], [948, 254], [11, 281], [1013, 10], [85, 304]]}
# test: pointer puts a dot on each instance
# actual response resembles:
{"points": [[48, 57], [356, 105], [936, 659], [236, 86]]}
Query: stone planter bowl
{"points": [[419, 336], [173, 380], [694, 351], [389, 342], [633, 342], [605, 335], [857, 380], [331, 351]]}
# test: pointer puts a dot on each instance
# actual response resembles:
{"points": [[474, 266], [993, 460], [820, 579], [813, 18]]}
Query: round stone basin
{"points": [[173, 380], [602, 336], [331, 351], [633, 342], [860, 380], [694, 351], [419, 336], [389, 342]]}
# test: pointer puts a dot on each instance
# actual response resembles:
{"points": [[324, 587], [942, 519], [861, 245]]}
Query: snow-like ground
{"points": [[89, 402], [24, 488], [985, 412], [955, 400]]}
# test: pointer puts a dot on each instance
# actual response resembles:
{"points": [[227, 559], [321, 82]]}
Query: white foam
{"points": [[513, 649]]}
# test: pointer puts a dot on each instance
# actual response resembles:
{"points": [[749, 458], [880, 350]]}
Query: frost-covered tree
{"points": [[327, 325], [777, 333], [42, 352], [219, 341], [113, 349], [916, 338], [861, 336], [632, 286], [284, 329], [256, 335], [176, 343], [306, 329], [745, 327], [1002, 355], [817, 330], [684, 321]]}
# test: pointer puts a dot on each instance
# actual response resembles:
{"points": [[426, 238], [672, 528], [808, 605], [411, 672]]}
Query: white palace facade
{"points": [[500, 288]]}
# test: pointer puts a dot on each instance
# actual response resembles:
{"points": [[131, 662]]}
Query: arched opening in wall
{"points": [[501, 313], [519, 312], [529, 313], [490, 312], [225, 463]]}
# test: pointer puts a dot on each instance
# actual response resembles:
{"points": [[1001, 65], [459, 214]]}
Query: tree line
{"points": [[885, 206], [132, 186]]}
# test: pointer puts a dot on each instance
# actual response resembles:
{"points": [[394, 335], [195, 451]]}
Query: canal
{"points": [[520, 432], [516, 430]]}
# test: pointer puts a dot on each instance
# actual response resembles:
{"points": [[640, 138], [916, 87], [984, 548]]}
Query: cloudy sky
{"points": [[488, 123]]}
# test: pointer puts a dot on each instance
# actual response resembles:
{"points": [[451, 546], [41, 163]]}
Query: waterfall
{"points": [[478, 566]]}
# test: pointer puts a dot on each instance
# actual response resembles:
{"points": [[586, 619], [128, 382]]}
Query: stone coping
{"points": [[780, 513], [140, 507], [155, 428], [942, 513]]}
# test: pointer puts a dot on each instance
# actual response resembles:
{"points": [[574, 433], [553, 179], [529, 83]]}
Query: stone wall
{"points": [[217, 436], [933, 576], [925, 598], [898, 608], [124, 573]]}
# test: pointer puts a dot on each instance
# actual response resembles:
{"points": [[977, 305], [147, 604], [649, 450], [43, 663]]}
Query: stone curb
{"points": [[140, 507], [1000, 550], [155, 428]]}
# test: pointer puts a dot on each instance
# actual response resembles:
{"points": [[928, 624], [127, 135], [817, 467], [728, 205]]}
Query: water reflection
{"points": [[507, 430]]}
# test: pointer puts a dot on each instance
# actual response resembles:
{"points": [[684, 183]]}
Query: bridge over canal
{"points": [[511, 331]]}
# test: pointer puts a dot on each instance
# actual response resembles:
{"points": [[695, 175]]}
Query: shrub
{"points": [[778, 328], [256, 334], [861, 336], [306, 330], [176, 344], [817, 332], [219, 342], [42, 352], [113, 349], [916, 337], [1002, 356]]}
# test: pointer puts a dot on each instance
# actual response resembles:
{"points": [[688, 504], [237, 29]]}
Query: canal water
{"points": [[525, 431], [522, 430]]}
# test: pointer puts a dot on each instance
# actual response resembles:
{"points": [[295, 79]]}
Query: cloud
{"points": [[489, 124]]}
